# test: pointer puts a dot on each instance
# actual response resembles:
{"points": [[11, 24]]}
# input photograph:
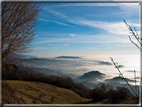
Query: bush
{"points": [[123, 92]]}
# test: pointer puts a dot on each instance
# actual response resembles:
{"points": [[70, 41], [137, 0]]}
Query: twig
{"points": [[123, 77], [137, 37], [135, 34], [134, 43]]}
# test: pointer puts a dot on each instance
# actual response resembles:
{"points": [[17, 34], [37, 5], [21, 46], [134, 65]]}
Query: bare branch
{"points": [[135, 34], [134, 43], [123, 76], [18, 26]]}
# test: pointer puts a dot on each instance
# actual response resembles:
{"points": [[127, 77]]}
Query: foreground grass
{"points": [[38, 93], [24, 92]]}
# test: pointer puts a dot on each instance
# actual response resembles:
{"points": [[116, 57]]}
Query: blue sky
{"points": [[85, 29]]}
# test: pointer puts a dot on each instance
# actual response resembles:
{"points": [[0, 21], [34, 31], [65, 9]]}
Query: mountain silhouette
{"points": [[93, 75], [119, 79], [71, 57]]}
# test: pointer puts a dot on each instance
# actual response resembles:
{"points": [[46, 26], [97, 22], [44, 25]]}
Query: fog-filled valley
{"points": [[90, 72]]}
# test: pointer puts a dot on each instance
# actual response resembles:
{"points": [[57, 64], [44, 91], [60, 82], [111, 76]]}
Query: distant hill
{"points": [[70, 57], [119, 79], [120, 66], [39, 59], [102, 62], [93, 75]]}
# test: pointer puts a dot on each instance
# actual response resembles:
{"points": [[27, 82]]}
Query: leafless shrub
{"points": [[107, 92]]}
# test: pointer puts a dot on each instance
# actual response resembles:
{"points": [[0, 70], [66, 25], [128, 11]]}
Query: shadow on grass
{"points": [[87, 102], [105, 101]]}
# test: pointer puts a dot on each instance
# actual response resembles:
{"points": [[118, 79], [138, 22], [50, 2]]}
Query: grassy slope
{"points": [[24, 92], [38, 93]]}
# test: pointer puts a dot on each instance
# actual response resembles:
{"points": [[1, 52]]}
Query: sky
{"points": [[85, 29]]}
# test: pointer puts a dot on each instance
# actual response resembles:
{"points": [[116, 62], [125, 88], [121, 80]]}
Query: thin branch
{"points": [[129, 27], [134, 43], [123, 77], [136, 33], [137, 38], [133, 34]]}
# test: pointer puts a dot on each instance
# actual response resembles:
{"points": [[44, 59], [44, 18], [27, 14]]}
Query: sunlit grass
{"points": [[41, 93]]}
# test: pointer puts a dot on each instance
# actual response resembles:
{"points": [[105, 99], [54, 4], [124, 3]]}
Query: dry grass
{"points": [[24, 92], [39, 93]]}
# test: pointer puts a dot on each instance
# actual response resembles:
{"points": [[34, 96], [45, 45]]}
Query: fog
{"points": [[77, 67]]}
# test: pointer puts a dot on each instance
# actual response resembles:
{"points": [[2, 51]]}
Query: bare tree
{"points": [[139, 46], [18, 26]]}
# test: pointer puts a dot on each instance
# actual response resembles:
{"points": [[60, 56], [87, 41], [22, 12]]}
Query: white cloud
{"points": [[103, 38], [66, 44], [38, 48], [54, 40], [111, 27], [72, 35], [115, 30], [96, 4], [53, 21], [128, 7], [49, 44], [55, 13], [61, 23]]}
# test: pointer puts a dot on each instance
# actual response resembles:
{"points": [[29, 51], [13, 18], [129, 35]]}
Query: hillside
{"points": [[38, 93], [17, 90], [92, 75]]}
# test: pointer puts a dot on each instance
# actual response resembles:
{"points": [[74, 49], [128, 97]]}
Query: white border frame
{"points": [[83, 105]]}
